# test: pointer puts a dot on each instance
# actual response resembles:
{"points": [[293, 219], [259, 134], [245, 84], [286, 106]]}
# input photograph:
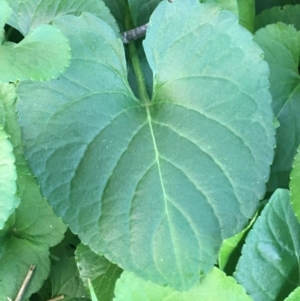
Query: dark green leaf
{"points": [[269, 266], [266, 4], [288, 14], [28, 15], [294, 296], [247, 13], [215, 286], [102, 273], [281, 45], [66, 281], [161, 181], [118, 9]]}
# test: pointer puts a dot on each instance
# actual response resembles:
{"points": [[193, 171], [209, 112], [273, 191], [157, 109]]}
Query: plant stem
{"points": [[136, 63]]}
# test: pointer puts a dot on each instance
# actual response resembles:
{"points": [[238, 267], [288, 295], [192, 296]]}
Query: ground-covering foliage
{"points": [[165, 169]]}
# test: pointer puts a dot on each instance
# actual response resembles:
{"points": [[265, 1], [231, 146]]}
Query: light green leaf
{"points": [[230, 5], [288, 14], [232, 245], [26, 239], [66, 281], [161, 181], [295, 185], [42, 55], [28, 15], [269, 266], [102, 273], [281, 45], [215, 286], [294, 296], [247, 13], [5, 12], [8, 176]]}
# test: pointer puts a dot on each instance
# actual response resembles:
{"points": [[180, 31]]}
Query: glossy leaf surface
{"points": [[147, 171], [269, 266]]}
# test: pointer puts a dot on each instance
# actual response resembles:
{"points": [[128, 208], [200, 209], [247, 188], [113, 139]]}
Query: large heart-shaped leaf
{"points": [[215, 286], [28, 15], [281, 44], [269, 266], [155, 186]]}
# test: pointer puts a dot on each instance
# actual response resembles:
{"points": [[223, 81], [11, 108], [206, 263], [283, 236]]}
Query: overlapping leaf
{"points": [[295, 185], [267, 4], [288, 14], [155, 186], [5, 12], [281, 45], [118, 9], [215, 286], [269, 266], [102, 273], [247, 13], [28, 15], [294, 296]]}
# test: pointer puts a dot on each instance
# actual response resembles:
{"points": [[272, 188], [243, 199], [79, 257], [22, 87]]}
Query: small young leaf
{"points": [[66, 281], [102, 273], [269, 265], [28, 15], [289, 14], [281, 45], [42, 55], [161, 180], [295, 185], [215, 286]]}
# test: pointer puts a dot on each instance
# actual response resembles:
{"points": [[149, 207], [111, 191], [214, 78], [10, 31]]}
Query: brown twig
{"points": [[57, 298], [25, 283]]}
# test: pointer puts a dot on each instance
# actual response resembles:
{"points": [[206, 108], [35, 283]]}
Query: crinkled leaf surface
{"points": [[269, 266], [247, 13], [65, 280], [102, 273], [42, 55], [155, 186], [295, 185], [288, 14], [281, 45], [267, 4], [215, 286], [294, 296], [26, 239], [28, 15]]}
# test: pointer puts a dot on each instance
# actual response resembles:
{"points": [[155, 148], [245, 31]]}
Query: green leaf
{"points": [[9, 201], [230, 5], [28, 15], [5, 12], [231, 246], [92, 291], [294, 296], [117, 9], [8, 198], [160, 184], [281, 45], [26, 239], [102, 273], [66, 281], [269, 266], [142, 10], [288, 14], [247, 13], [294, 185], [215, 286], [267, 4], [42, 55]]}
